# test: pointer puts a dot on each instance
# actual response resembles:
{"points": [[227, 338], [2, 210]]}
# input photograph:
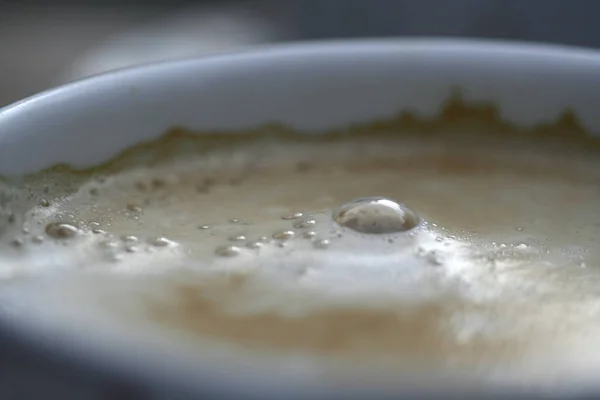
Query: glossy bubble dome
{"points": [[376, 215]]}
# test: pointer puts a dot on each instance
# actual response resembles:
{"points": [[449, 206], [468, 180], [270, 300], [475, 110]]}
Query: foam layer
{"points": [[261, 248]]}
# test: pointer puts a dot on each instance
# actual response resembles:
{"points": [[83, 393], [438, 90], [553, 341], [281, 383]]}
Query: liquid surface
{"points": [[397, 253]]}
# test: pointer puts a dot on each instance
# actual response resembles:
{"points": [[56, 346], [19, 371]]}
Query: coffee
{"points": [[403, 253]]}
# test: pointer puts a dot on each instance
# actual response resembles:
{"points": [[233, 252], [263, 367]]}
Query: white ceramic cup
{"points": [[310, 87]]}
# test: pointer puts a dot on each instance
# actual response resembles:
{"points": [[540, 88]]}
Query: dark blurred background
{"points": [[43, 44]]}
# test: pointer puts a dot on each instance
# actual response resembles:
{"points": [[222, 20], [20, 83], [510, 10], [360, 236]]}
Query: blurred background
{"points": [[43, 44]]}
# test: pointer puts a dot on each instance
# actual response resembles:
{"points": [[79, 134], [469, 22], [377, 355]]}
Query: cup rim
{"points": [[75, 103], [485, 47]]}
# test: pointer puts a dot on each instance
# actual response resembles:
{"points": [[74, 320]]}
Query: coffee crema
{"points": [[418, 253]]}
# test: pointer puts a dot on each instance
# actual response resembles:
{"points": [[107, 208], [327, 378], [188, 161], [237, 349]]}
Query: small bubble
{"points": [[130, 239], [134, 208], [94, 192], [234, 220], [309, 235], [161, 242], [502, 246], [37, 239], [108, 244], [59, 230], [131, 248], [94, 224], [264, 239], [321, 244], [439, 239], [292, 216], [25, 230], [307, 223], [204, 227], [285, 235], [227, 251], [519, 229], [255, 244], [582, 265], [98, 231], [237, 238], [376, 215], [18, 242], [44, 203]]}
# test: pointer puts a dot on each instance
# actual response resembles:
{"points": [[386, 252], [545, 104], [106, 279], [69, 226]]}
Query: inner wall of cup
{"points": [[310, 88]]}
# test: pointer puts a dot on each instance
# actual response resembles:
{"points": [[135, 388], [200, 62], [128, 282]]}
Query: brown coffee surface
{"points": [[241, 243]]}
